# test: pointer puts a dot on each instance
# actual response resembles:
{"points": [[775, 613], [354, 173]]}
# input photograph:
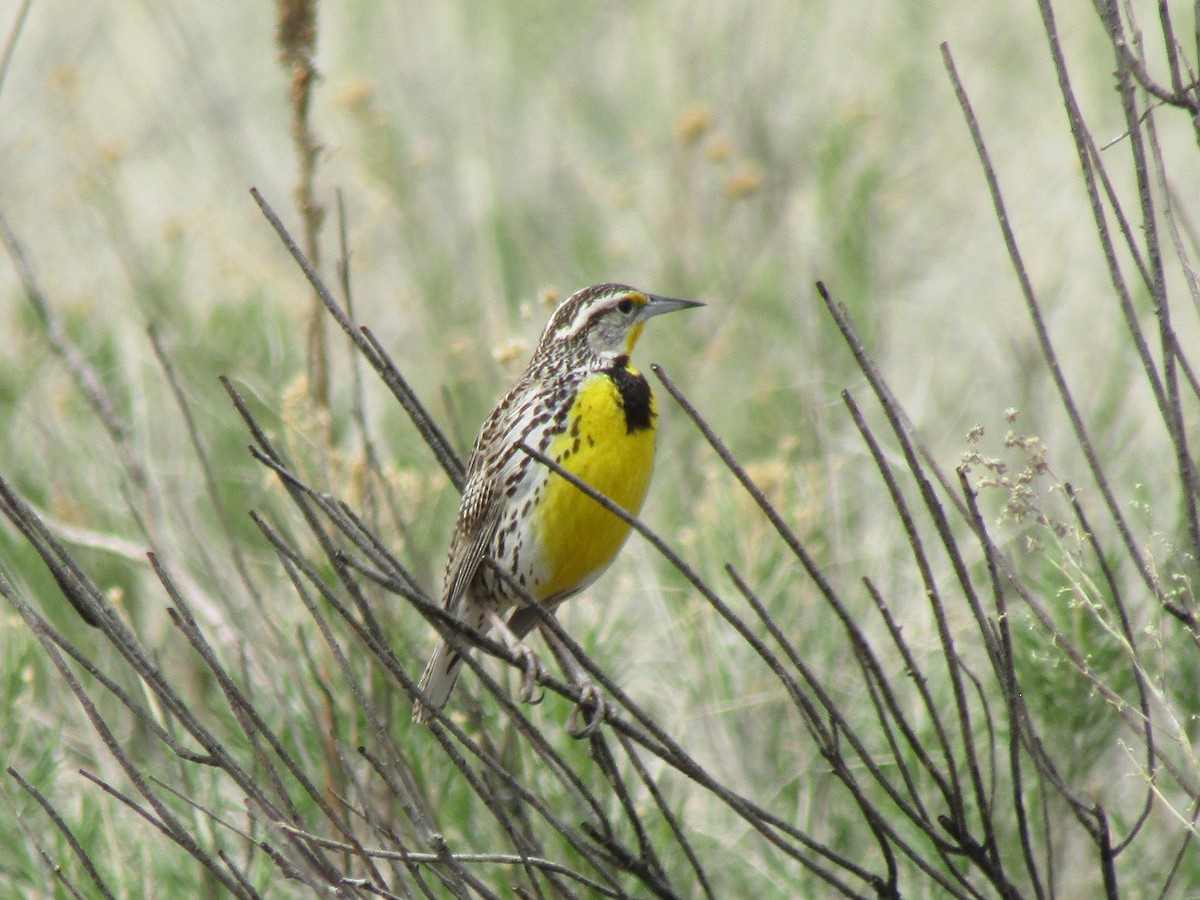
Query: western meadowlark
{"points": [[581, 403]]}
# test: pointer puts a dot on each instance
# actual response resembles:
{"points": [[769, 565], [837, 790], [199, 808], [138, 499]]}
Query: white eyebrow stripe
{"points": [[583, 316]]}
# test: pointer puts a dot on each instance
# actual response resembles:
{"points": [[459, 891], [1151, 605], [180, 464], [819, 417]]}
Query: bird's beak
{"points": [[656, 305]]}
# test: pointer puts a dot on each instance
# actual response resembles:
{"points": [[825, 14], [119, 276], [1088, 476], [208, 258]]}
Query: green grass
{"points": [[493, 155]]}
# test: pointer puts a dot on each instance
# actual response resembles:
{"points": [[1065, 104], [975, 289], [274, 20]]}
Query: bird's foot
{"points": [[593, 709], [533, 673]]}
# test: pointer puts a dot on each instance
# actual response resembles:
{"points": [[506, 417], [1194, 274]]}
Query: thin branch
{"points": [[210, 479], [82, 372], [1043, 335], [372, 351], [507, 859], [61, 825]]}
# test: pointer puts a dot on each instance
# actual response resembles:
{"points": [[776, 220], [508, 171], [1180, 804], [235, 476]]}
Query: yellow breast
{"points": [[610, 450]]}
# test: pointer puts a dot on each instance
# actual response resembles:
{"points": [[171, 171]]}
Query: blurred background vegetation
{"points": [[491, 158]]}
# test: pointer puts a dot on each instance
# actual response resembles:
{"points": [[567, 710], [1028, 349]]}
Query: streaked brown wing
{"points": [[483, 500], [469, 547]]}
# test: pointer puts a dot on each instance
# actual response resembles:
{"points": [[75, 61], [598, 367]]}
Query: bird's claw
{"points": [[592, 705], [532, 676]]}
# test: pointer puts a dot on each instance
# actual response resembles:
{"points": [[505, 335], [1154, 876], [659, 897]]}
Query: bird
{"points": [[581, 403]]}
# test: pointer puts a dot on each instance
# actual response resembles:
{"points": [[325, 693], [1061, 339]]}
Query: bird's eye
{"points": [[625, 306]]}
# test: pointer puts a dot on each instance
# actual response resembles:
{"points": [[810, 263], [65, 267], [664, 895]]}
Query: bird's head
{"points": [[604, 321]]}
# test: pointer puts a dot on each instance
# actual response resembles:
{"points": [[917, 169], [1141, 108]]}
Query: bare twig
{"points": [[72, 841], [86, 378], [373, 352], [1045, 344]]}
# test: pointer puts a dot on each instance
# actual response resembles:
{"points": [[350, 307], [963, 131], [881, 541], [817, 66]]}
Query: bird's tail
{"points": [[440, 674]]}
